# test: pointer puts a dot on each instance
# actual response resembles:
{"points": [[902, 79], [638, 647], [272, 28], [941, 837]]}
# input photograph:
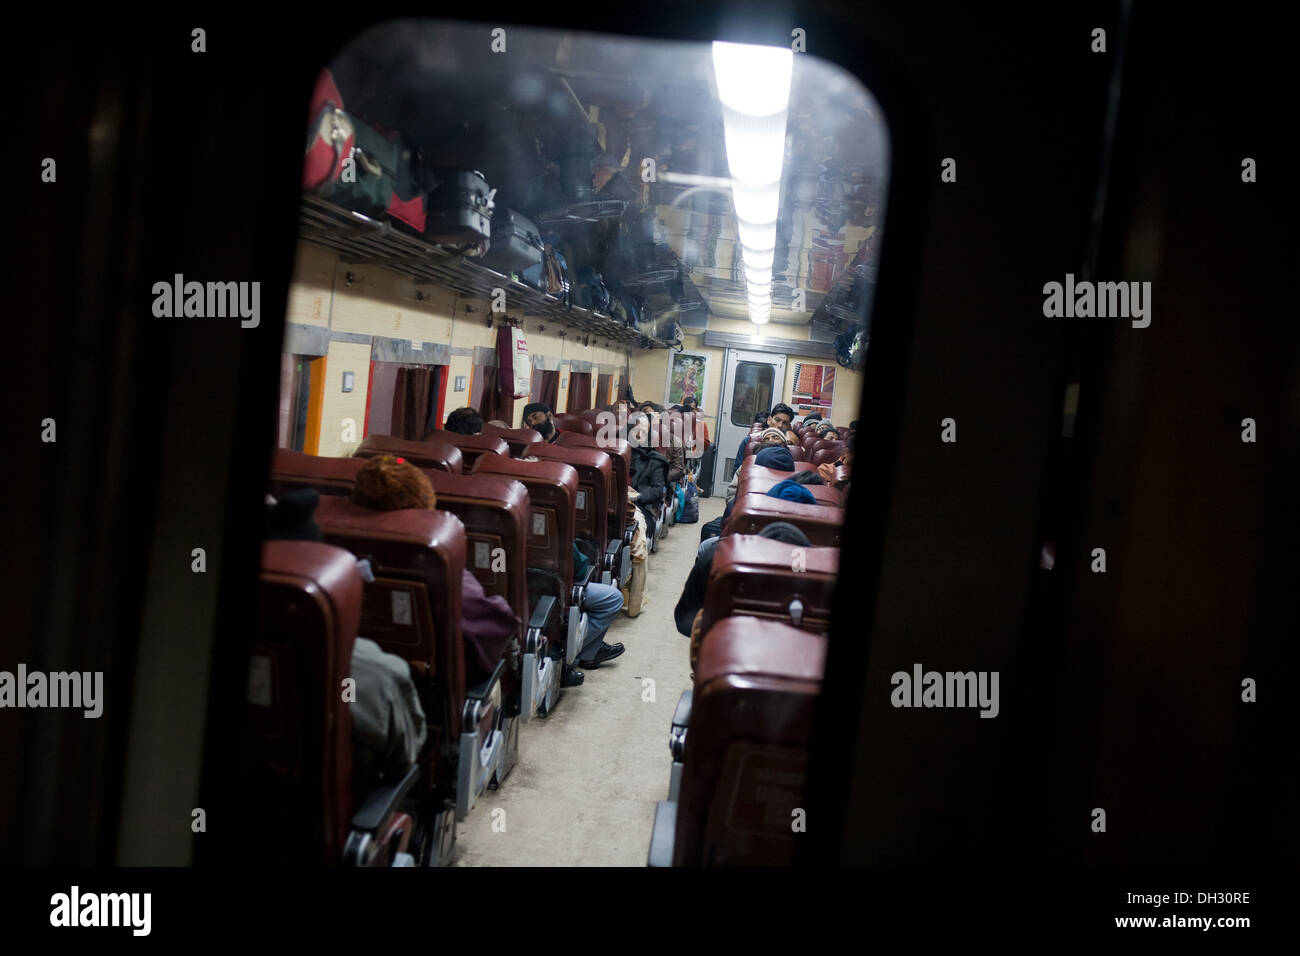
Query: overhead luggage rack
{"points": [[362, 240]]}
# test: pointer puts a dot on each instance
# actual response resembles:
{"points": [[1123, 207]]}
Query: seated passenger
{"points": [[692, 599], [772, 441], [827, 470], [464, 421], [537, 416], [777, 456], [386, 483], [602, 602], [649, 474], [388, 724]]}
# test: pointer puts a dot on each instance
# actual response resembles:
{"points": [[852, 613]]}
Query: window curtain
{"points": [[579, 391], [548, 387], [412, 394]]}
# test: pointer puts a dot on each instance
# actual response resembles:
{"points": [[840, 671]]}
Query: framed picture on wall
{"points": [[814, 387], [688, 374]]}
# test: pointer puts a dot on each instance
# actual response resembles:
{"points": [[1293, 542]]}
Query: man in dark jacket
{"points": [[649, 470], [537, 416]]}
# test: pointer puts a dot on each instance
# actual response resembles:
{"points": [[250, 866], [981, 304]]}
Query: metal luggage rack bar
{"points": [[362, 240]]}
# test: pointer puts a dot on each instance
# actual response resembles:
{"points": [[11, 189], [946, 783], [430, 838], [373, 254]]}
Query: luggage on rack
{"points": [[551, 275], [592, 293], [459, 207], [516, 242], [381, 176], [330, 136]]}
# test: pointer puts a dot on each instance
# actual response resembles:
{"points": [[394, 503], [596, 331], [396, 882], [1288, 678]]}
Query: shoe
{"points": [[607, 652], [571, 676]]}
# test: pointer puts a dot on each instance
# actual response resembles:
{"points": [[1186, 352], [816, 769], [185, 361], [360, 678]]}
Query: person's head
{"points": [[465, 421], [689, 404], [386, 483], [785, 531], [638, 430], [831, 435], [853, 425], [291, 517], [770, 436], [781, 417], [760, 418], [537, 416], [775, 456], [649, 408], [788, 490], [812, 417]]}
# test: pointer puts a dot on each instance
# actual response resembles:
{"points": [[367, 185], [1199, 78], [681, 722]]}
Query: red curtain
{"points": [[546, 387], [411, 397], [579, 391]]}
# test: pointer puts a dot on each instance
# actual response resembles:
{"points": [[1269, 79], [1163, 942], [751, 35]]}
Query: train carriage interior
{"points": [[776, 435], [665, 253]]}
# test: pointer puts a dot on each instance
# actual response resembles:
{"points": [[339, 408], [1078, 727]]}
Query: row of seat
{"points": [[513, 524], [739, 737]]}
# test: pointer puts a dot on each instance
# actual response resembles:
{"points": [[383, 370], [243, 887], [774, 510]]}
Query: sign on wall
{"points": [[814, 386], [688, 374]]}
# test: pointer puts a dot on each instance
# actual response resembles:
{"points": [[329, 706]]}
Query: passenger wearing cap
{"points": [[388, 723], [537, 416]]}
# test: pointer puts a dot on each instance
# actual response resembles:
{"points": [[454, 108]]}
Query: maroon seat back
{"points": [[494, 512], [573, 423], [518, 439], [759, 577], [747, 749], [595, 484], [434, 453], [749, 468], [412, 608], [829, 453], [298, 738], [329, 476], [620, 456], [752, 513], [762, 484], [471, 446], [552, 493]]}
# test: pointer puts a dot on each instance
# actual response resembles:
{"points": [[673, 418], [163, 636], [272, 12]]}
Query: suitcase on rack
{"points": [[516, 242], [459, 208], [383, 178]]}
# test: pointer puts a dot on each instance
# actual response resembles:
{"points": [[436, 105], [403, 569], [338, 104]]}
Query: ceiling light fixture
{"points": [[754, 87]]}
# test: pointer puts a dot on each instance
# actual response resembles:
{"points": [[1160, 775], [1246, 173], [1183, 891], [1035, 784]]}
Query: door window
{"points": [[752, 392]]}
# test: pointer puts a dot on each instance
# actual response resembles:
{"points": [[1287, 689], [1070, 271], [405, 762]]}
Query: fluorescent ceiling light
{"points": [[759, 318], [756, 240], [756, 276], [757, 205], [754, 80], [755, 146]]}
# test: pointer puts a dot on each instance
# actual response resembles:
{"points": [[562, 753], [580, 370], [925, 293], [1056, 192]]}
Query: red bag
{"points": [[330, 136]]}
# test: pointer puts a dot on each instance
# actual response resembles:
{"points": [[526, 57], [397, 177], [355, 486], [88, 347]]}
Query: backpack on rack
{"points": [[592, 293]]}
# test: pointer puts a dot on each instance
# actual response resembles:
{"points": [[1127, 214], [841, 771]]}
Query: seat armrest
{"points": [[484, 688], [612, 549], [682, 715], [380, 804], [545, 609]]}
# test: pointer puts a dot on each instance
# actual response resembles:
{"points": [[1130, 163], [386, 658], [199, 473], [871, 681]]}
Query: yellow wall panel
{"points": [[340, 407]]}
